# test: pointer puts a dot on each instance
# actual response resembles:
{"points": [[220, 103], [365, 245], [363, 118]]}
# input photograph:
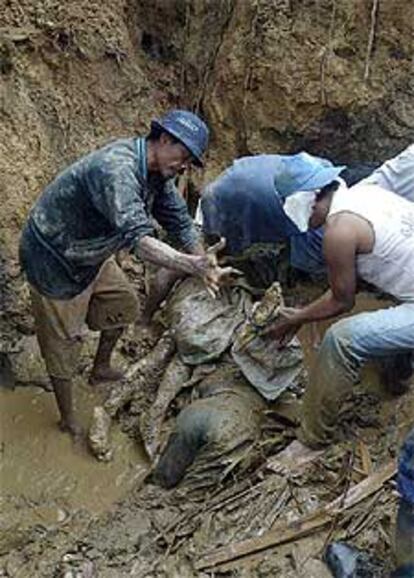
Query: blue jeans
{"points": [[347, 345]]}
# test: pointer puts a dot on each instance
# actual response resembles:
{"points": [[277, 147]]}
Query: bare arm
{"points": [[340, 249]]}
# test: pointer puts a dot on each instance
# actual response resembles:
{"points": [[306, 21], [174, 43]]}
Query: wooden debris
{"points": [[232, 555], [366, 461]]}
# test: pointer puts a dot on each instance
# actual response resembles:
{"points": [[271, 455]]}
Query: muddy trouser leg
{"points": [[191, 433], [58, 326], [113, 306], [106, 304], [347, 345]]}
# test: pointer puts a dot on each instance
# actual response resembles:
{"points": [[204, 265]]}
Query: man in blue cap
{"points": [[245, 204], [99, 205]]}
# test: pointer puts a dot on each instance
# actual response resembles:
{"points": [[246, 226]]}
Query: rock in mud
{"points": [[99, 437]]}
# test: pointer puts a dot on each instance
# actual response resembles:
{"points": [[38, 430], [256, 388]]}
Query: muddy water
{"points": [[39, 464]]}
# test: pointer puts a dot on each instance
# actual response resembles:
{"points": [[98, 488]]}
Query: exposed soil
{"points": [[269, 76]]}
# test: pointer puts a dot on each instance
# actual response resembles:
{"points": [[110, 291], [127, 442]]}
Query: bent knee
{"points": [[338, 336]]}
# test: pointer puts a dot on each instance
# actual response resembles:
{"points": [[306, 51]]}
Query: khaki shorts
{"points": [[109, 302]]}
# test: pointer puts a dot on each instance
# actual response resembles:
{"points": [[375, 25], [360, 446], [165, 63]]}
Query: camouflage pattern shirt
{"points": [[101, 204]]}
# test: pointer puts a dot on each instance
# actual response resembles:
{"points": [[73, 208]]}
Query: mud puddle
{"points": [[40, 466]]}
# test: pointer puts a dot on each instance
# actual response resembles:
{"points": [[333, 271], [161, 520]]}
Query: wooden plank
{"points": [[365, 459], [282, 533]]}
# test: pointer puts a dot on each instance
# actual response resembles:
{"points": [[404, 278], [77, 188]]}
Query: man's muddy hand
{"points": [[286, 327], [216, 276]]}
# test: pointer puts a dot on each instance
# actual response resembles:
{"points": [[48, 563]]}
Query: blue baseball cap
{"points": [[304, 172], [189, 129]]}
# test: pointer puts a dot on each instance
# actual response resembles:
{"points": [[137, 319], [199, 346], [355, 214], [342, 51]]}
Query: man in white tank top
{"points": [[369, 233]]}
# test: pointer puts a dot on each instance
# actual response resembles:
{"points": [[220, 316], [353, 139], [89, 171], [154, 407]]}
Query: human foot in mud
{"points": [[104, 375], [74, 430], [293, 458]]}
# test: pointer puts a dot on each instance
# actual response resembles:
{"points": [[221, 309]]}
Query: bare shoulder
{"points": [[348, 229], [345, 223], [342, 226]]}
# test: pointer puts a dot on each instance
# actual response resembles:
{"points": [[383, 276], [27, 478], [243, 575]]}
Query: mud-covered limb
{"points": [[141, 374], [159, 253], [175, 378], [199, 265], [99, 435], [158, 286]]}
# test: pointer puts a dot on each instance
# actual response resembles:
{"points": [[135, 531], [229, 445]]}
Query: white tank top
{"points": [[390, 265]]}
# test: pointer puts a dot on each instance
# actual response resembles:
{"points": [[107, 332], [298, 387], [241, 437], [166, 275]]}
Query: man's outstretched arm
{"points": [[340, 249]]}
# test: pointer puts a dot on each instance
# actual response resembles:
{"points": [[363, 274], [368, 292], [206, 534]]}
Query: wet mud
{"points": [[45, 480], [67, 514]]}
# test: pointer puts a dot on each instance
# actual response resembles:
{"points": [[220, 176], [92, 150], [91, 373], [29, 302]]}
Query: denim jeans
{"points": [[347, 345]]}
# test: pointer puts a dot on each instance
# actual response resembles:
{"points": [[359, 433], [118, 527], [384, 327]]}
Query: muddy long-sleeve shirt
{"points": [[101, 204]]}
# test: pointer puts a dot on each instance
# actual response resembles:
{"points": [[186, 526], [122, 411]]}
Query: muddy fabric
{"points": [[346, 346], [203, 326], [95, 207], [109, 302], [226, 417], [268, 368], [404, 541]]}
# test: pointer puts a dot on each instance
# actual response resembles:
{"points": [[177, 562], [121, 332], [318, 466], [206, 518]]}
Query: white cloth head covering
{"points": [[299, 206]]}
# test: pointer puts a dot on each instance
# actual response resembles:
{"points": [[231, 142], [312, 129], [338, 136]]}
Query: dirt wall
{"points": [[269, 75]]}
